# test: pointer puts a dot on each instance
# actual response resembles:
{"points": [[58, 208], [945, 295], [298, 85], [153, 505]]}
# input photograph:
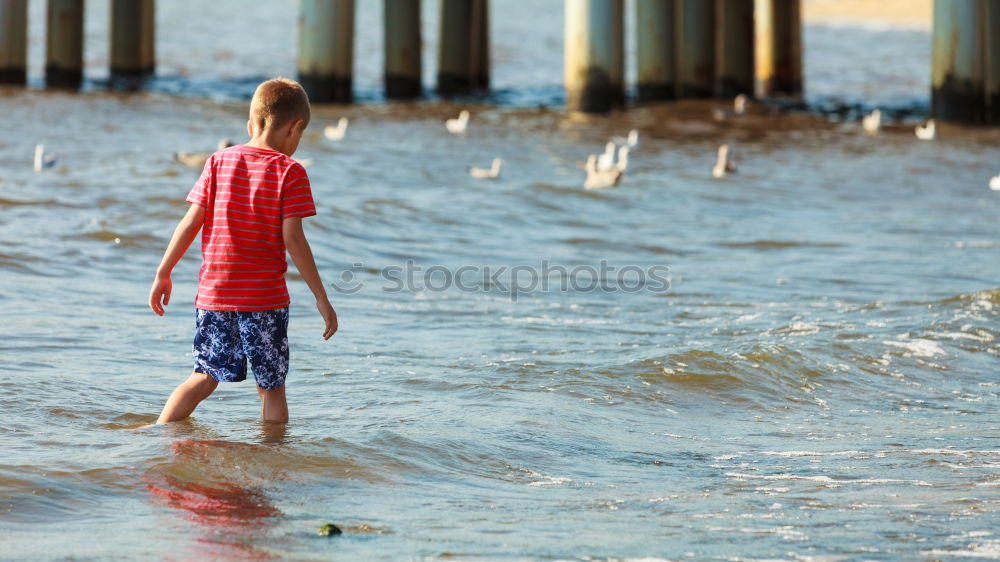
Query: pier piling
{"points": [[13, 41], [64, 44], [464, 47], [696, 49], [779, 47], [734, 47], [656, 53], [965, 64], [326, 49], [402, 49], [992, 20], [133, 28], [594, 57]]}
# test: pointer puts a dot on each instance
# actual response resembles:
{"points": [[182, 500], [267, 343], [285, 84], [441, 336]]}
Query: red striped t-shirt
{"points": [[246, 193]]}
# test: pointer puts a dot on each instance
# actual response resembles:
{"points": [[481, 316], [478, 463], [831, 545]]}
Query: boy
{"points": [[251, 200]]}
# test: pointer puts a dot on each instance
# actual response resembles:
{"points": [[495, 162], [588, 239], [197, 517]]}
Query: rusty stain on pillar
{"points": [[696, 49], [656, 31], [64, 44], [734, 47], [326, 49], [402, 49], [779, 47], [13, 41], [133, 30], [463, 49], [594, 73]]}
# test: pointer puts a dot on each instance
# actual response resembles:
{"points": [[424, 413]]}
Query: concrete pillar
{"points": [[464, 47], [402, 49], [64, 44], [133, 29], [992, 33], [779, 47], [734, 47], [696, 49], [656, 31], [326, 49], [958, 62], [13, 41], [595, 63]]}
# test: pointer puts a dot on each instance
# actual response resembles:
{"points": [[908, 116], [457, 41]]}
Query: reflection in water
{"points": [[216, 486], [273, 433]]}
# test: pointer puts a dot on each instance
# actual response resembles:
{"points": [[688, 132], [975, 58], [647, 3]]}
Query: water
{"points": [[817, 383]]}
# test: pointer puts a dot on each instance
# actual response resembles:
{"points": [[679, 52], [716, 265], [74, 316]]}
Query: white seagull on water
{"points": [[606, 160], [457, 126], [926, 131], [872, 122], [336, 133], [723, 165], [631, 141], [198, 159], [492, 172], [600, 179], [739, 109], [43, 160]]}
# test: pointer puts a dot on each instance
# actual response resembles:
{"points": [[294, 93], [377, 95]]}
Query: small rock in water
{"points": [[328, 530]]}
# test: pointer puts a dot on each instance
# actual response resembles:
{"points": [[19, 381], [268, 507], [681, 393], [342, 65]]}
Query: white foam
{"points": [[986, 549], [812, 453], [918, 347], [824, 479]]}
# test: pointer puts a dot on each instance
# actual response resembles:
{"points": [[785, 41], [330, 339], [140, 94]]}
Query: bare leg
{"points": [[274, 408], [186, 397]]}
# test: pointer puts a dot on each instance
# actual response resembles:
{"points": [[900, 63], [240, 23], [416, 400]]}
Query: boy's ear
{"points": [[299, 126], [250, 128]]}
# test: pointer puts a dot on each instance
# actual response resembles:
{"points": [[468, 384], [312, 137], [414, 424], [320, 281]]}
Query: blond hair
{"points": [[278, 101]]}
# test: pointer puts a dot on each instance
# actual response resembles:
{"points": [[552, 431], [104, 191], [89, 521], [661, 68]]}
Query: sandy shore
{"points": [[892, 13]]}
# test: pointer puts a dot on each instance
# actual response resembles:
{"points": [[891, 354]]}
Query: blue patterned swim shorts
{"points": [[224, 340]]}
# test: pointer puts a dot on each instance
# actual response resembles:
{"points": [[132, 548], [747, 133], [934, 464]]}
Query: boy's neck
{"points": [[269, 142], [283, 139]]}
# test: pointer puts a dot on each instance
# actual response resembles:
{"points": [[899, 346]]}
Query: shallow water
{"points": [[818, 382]]}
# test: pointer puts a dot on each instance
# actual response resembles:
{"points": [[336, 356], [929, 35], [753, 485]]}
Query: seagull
{"points": [[995, 183], [336, 133], [631, 141], [871, 123], [622, 163], [457, 126], [927, 131], [492, 173], [43, 160], [723, 165], [198, 159], [597, 179], [739, 109], [606, 160]]}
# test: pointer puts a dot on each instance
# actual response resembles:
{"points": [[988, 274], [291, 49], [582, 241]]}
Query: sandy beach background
{"points": [[888, 13]]}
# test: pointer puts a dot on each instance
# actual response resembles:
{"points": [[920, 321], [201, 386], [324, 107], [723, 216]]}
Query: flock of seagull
{"points": [[604, 170], [926, 131], [872, 124]]}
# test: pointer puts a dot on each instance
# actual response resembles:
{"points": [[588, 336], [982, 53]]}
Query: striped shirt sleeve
{"points": [[201, 193], [296, 197]]}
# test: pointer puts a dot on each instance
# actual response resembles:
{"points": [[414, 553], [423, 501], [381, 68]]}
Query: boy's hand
{"points": [[329, 316], [159, 294]]}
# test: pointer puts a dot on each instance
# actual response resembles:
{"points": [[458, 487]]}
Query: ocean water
{"points": [[812, 376]]}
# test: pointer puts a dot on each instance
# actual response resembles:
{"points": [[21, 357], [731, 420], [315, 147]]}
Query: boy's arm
{"points": [[298, 248], [184, 234]]}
